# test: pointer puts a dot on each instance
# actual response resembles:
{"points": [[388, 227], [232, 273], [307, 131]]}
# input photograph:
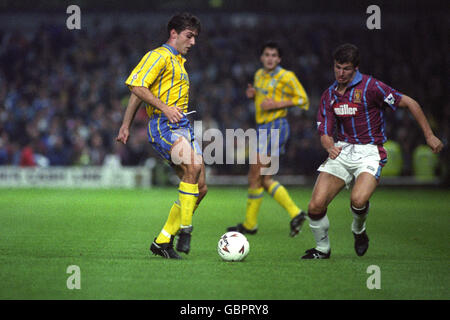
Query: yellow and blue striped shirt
{"points": [[279, 85], [162, 71]]}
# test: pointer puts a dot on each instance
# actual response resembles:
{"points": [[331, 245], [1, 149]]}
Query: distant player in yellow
{"points": [[161, 82], [274, 91]]}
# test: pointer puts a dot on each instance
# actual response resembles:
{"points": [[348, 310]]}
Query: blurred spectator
{"points": [[27, 157]]}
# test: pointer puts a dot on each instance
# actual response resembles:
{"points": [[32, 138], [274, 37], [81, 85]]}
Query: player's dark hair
{"points": [[271, 45], [183, 21], [346, 53]]}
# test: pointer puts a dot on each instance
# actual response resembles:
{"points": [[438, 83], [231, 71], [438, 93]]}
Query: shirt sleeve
{"points": [[148, 69], [298, 93], [384, 94], [325, 117]]}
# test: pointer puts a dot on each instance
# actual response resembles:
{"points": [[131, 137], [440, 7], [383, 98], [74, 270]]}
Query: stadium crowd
{"points": [[62, 92]]}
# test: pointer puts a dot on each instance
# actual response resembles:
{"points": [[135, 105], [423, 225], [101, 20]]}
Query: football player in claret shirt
{"points": [[274, 90], [352, 109], [161, 82]]}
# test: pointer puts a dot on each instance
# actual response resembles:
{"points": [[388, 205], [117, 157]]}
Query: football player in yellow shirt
{"points": [[161, 82], [274, 90]]}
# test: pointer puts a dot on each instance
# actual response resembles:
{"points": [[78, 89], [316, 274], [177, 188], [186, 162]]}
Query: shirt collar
{"points": [[274, 72], [171, 49], [356, 79]]}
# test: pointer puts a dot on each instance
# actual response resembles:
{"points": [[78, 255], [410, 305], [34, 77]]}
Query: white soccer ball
{"points": [[233, 246]]}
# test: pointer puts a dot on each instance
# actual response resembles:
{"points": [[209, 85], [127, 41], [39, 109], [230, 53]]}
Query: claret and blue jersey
{"points": [[358, 114]]}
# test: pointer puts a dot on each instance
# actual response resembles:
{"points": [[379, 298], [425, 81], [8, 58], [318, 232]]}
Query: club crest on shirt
{"points": [[346, 109], [357, 96]]}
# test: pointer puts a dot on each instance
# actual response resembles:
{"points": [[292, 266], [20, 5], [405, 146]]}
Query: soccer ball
{"points": [[233, 246]]}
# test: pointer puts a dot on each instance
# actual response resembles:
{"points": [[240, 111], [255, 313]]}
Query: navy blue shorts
{"points": [[162, 134], [265, 137]]}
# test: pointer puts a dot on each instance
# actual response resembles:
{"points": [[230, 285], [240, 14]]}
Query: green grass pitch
{"points": [[107, 234]]}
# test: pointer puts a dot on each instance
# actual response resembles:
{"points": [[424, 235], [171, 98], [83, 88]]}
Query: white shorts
{"points": [[355, 159]]}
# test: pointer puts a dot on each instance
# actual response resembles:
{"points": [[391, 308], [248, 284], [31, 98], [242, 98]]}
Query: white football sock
{"points": [[359, 220], [319, 229]]}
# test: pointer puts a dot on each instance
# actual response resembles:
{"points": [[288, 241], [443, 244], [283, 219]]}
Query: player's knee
{"points": [[194, 169], [266, 182], [358, 201], [316, 207], [254, 180]]}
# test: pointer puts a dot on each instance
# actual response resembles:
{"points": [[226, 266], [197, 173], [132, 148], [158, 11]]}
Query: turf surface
{"points": [[107, 234]]}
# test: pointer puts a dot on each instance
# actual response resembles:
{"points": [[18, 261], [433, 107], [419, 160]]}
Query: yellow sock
{"points": [[254, 200], [280, 194], [172, 224], [188, 194]]}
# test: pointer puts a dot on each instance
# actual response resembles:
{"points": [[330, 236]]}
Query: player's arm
{"points": [[173, 114], [133, 106], [270, 104], [298, 97], [328, 144], [325, 127], [143, 76], [413, 106], [250, 92]]}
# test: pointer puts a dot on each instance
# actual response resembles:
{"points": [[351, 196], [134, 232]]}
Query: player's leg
{"points": [[173, 222], [202, 187], [363, 189], [326, 188], [163, 243], [255, 187], [178, 146], [367, 174], [184, 156], [281, 195], [254, 199], [172, 225], [276, 147]]}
